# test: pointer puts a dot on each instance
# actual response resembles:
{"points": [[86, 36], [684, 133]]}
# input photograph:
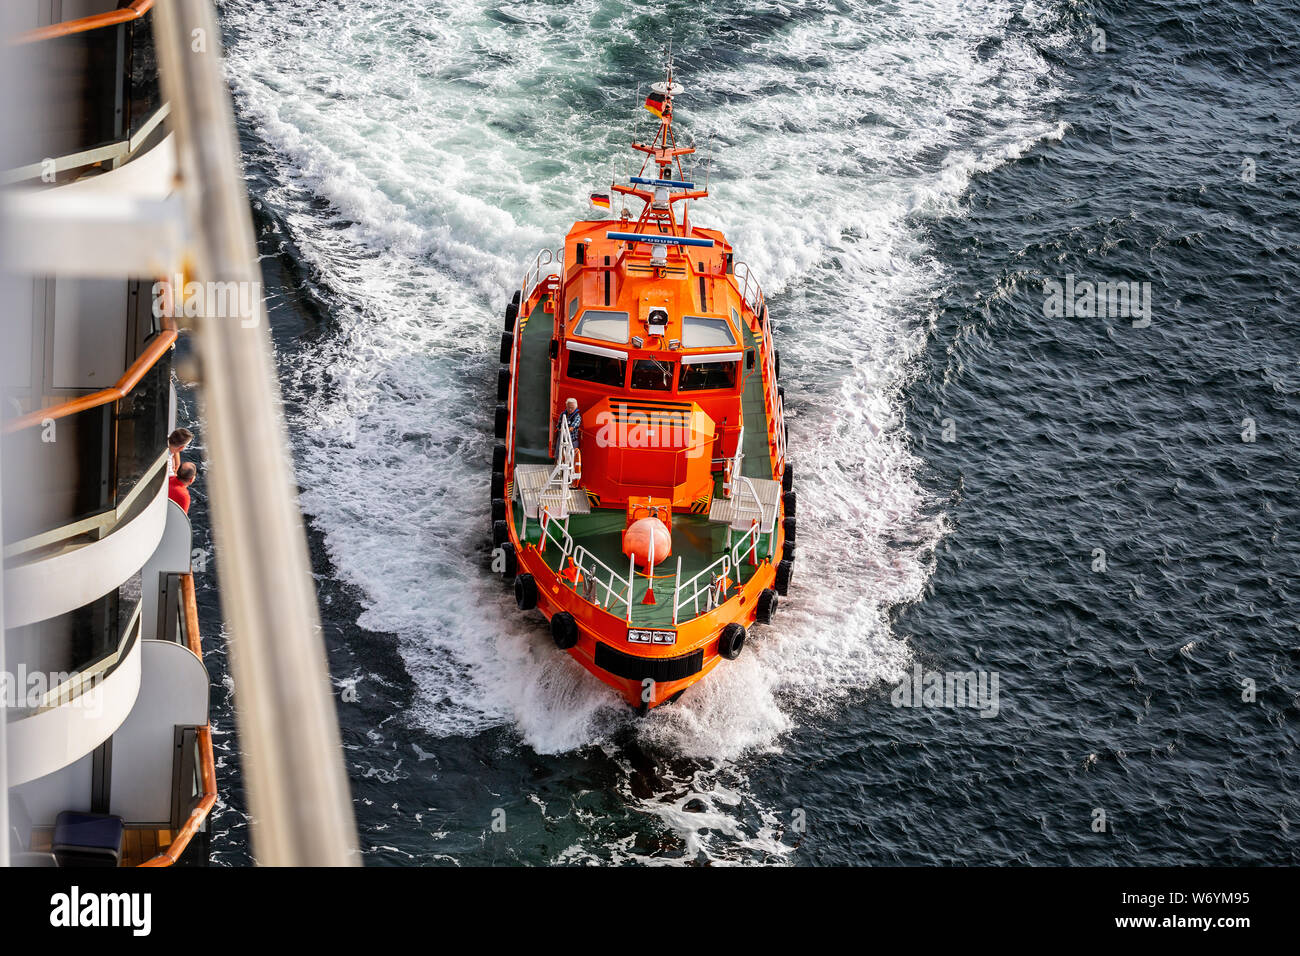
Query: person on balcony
{"points": [[177, 442], [178, 485], [571, 419]]}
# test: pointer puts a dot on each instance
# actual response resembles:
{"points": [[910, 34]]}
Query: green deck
{"points": [[532, 430], [757, 462], [696, 540]]}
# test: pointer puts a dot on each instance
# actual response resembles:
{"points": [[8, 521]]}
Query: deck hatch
{"points": [[658, 669]]}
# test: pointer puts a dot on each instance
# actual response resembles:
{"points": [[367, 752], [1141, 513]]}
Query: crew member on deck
{"points": [[571, 418], [178, 485]]}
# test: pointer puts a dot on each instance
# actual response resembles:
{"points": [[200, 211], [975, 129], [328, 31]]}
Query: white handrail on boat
{"points": [[581, 555], [747, 540], [740, 509], [533, 276], [752, 293], [729, 483], [699, 587], [546, 523], [750, 290], [775, 404], [564, 474]]}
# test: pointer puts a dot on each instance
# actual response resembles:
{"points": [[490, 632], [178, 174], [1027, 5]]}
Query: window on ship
{"points": [[609, 326], [707, 375], [653, 375], [600, 369]]}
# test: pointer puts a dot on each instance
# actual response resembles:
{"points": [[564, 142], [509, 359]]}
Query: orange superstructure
{"points": [[641, 497]]}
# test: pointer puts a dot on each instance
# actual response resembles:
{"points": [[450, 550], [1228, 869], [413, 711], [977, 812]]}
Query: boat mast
{"points": [[660, 190]]}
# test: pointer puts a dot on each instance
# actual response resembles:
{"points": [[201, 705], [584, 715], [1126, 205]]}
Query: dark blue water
{"points": [[1041, 445]]}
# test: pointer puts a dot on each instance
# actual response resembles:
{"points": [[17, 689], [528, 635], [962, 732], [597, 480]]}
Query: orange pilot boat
{"points": [[641, 496]]}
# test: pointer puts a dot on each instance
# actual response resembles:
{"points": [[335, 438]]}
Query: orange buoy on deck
{"points": [[647, 539]]}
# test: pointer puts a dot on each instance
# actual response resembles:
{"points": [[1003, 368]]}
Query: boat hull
{"points": [[600, 632]]}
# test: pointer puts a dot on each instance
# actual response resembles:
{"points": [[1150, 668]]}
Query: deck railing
{"points": [[749, 288], [752, 293], [123, 427], [552, 529], [618, 589], [125, 14], [533, 276], [703, 584], [775, 404], [111, 55]]}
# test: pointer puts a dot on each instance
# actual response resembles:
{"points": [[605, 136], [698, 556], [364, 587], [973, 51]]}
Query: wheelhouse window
{"points": [[708, 375], [601, 369], [652, 375], [606, 326], [700, 332]]}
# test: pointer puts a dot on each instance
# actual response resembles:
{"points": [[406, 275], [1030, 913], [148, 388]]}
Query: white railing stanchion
{"points": [[677, 583], [581, 556], [631, 584]]}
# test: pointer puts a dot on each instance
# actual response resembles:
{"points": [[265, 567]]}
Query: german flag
{"points": [[600, 200], [657, 103]]}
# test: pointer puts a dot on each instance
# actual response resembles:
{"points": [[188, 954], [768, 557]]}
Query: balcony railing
{"points": [[101, 96], [80, 467]]}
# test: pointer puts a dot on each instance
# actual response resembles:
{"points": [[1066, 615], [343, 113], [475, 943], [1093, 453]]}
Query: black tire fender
{"points": [[731, 641], [783, 572], [525, 592], [564, 630], [511, 563]]}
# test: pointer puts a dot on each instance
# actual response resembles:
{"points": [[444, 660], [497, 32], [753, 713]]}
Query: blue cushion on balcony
{"points": [[85, 838]]}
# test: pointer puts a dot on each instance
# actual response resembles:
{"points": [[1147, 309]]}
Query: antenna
{"points": [[708, 162]]}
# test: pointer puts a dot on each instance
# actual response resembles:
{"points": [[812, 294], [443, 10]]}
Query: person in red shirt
{"points": [[178, 485]]}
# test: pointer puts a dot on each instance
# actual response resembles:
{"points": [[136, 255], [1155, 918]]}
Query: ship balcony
{"points": [[71, 679], [98, 103], [85, 480], [129, 750]]}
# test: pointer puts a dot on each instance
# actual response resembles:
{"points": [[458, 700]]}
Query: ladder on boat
{"points": [[551, 487]]}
